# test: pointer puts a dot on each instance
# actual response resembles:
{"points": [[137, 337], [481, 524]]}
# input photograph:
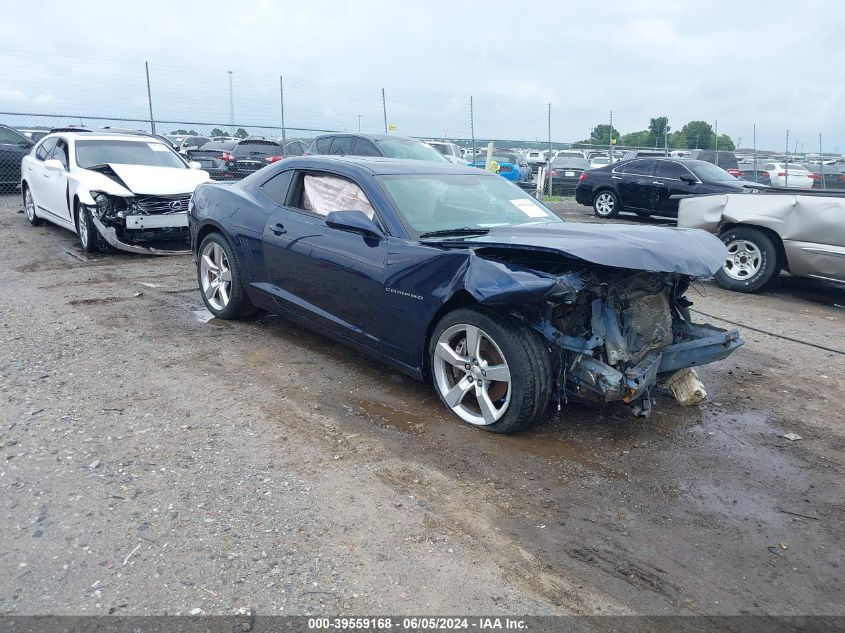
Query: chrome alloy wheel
{"points": [[29, 204], [216, 276], [471, 374], [605, 203], [743, 261]]}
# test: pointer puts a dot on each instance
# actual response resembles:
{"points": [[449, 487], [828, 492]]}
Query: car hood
{"points": [[158, 181], [685, 251]]}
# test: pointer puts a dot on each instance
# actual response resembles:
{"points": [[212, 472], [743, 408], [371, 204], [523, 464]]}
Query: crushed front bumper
{"points": [[140, 223], [700, 345]]}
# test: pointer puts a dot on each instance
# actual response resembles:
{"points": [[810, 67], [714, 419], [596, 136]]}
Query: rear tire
{"points": [[751, 262], [29, 207], [606, 204], [504, 348]]}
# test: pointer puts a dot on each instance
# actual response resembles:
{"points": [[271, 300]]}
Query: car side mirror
{"points": [[54, 164], [353, 221], [194, 164]]}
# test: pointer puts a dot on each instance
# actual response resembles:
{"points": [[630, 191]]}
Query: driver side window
{"points": [[45, 149], [60, 153], [320, 194]]}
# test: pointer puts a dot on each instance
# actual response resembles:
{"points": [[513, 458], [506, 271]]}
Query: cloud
{"points": [[643, 59]]}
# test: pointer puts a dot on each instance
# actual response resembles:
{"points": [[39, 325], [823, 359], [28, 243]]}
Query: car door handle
{"points": [[616, 177], [656, 182], [279, 229]]}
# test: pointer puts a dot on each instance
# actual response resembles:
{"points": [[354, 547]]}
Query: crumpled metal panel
{"points": [[812, 227], [651, 248]]}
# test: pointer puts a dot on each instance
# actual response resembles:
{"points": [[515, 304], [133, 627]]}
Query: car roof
{"points": [[372, 137], [106, 136], [379, 166]]}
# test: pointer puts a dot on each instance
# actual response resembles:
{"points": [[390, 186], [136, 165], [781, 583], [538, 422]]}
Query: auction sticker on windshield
{"points": [[529, 208]]}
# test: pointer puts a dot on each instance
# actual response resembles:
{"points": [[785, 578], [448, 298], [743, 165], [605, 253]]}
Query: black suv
{"points": [[386, 145], [13, 147]]}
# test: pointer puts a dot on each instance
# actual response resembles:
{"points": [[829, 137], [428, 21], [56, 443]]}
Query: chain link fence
{"points": [[281, 115]]}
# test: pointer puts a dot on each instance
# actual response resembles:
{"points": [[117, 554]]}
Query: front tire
{"points": [[29, 207], [751, 262], [489, 370], [219, 277], [606, 204], [88, 234]]}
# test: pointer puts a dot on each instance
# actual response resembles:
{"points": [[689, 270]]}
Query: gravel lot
{"points": [[156, 462]]}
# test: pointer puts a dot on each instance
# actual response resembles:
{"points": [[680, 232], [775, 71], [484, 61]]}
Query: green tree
{"points": [[218, 132], [635, 139], [193, 132], [601, 135], [698, 134], [657, 127], [678, 140], [179, 131], [725, 143], [241, 133]]}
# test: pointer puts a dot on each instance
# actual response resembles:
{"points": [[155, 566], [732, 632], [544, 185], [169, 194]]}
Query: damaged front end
{"points": [[154, 225], [617, 331]]}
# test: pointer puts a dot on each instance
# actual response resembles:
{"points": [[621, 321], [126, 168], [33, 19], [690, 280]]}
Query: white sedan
{"points": [[795, 177], [129, 190]]}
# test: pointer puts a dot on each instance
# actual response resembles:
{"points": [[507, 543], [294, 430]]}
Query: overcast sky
{"points": [[776, 64]]}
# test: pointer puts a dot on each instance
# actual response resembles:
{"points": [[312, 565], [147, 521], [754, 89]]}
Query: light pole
{"points": [[231, 100], [359, 122]]}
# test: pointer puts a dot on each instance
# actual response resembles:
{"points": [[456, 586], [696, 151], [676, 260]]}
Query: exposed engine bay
{"points": [[617, 331]]}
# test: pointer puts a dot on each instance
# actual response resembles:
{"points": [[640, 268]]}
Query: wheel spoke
{"points": [[473, 341], [211, 291], [209, 262], [498, 372], [456, 394], [488, 409], [226, 275], [446, 353], [224, 294]]}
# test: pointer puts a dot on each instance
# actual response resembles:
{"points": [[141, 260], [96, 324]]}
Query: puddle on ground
{"points": [[547, 444], [203, 316]]}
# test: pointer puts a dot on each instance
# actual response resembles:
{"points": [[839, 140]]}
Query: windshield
{"points": [[441, 148], [257, 148], [708, 172], [398, 148], [148, 153], [481, 159], [428, 203]]}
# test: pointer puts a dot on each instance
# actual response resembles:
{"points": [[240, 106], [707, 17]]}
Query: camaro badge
{"points": [[404, 294]]}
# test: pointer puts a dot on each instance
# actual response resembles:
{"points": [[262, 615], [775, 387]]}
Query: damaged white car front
{"points": [[151, 223]]}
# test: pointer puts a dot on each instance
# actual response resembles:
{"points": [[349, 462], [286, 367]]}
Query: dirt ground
{"points": [[154, 461]]}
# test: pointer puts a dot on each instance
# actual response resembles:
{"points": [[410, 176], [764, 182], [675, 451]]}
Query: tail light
{"points": [[815, 176], [734, 172], [583, 176], [781, 173], [765, 174], [273, 159], [227, 157], [505, 169]]}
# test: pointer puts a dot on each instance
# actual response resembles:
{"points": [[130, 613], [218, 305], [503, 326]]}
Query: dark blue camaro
{"points": [[456, 275]]}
